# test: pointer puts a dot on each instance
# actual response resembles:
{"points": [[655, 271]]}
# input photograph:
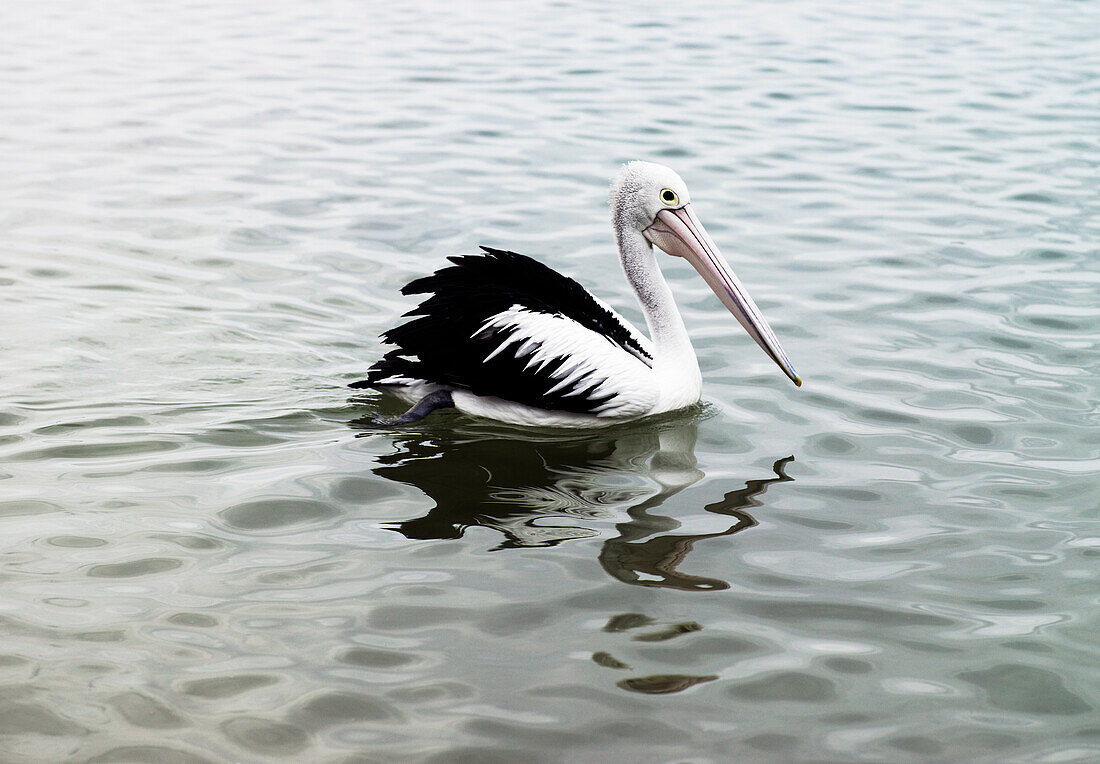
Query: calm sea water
{"points": [[208, 211]]}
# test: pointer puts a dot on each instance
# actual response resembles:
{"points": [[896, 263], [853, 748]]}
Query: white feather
{"points": [[500, 347], [630, 381]]}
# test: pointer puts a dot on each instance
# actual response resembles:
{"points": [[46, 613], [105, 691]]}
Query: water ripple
{"points": [[209, 213]]}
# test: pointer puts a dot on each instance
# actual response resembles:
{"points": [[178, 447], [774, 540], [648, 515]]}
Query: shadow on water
{"points": [[541, 489]]}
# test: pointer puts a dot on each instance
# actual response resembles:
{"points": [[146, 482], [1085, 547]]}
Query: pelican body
{"points": [[502, 336]]}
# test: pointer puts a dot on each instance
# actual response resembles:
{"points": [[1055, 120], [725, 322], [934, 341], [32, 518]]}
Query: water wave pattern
{"points": [[209, 210]]}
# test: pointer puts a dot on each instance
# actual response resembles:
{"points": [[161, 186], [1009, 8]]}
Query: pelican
{"points": [[503, 336]]}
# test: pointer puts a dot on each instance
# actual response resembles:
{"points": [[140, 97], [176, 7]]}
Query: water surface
{"points": [[209, 211]]}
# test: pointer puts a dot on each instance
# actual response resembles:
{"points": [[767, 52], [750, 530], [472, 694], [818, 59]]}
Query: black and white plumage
{"points": [[504, 325], [503, 336]]}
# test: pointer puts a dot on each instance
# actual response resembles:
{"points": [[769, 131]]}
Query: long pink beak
{"points": [[678, 232]]}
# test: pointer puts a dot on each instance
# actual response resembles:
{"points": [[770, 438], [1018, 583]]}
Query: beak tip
{"points": [[798, 381]]}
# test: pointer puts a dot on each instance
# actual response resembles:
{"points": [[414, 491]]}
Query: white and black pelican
{"points": [[505, 337]]}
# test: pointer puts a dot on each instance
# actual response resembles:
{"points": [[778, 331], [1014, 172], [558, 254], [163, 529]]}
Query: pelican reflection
{"points": [[541, 490]]}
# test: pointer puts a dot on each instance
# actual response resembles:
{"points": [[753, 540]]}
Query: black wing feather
{"points": [[442, 344]]}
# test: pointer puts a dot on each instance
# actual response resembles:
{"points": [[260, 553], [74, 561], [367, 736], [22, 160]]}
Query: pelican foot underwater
{"points": [[505, 337]]}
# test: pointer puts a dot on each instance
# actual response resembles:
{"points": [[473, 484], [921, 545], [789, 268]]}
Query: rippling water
{"points": [[208, 212]]}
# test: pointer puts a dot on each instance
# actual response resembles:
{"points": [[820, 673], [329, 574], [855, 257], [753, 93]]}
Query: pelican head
{"points": [[654, 200]]}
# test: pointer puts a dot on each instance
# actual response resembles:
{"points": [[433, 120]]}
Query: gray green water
{"points": [[208, 211]]}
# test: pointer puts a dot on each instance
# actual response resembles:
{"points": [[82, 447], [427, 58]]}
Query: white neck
{"points": [[674, 359]]}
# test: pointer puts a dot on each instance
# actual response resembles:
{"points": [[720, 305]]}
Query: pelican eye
{"points": [[669, 197]]}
